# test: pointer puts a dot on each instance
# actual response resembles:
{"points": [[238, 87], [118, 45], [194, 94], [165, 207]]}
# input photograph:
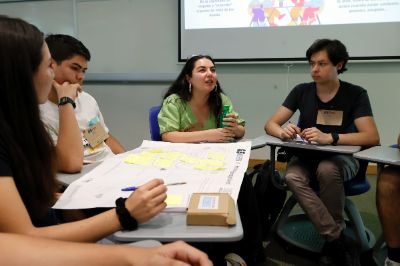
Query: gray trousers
{"points": [[326, 210]]}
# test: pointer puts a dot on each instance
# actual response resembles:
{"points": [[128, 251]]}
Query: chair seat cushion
{"points": [[356, 186]]}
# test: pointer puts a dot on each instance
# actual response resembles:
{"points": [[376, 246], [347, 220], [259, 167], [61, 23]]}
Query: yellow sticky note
{"points": [[209, 165], [216, 156], [163, 163], [174, 200], [148, 154], [172, 155], [138, 159], [189, 159], [155, 151]]}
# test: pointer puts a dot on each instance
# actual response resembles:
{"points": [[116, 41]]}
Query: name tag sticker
{"points": [[95, 134], [330, 117]]}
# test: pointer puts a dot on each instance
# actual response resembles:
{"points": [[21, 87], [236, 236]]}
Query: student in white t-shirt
{"points": [[72, 117]]}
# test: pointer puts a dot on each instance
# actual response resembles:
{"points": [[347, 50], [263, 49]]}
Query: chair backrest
{"points": [[153, 123]]}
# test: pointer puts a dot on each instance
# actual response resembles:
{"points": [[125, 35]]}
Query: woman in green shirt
{"points": [[192, 107], [191, 112]]}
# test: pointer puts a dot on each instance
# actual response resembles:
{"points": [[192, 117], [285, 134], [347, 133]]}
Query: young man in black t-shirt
{"points": [[331, 112]]}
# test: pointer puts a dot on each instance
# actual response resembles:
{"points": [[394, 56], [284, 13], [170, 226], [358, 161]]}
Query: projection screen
{"points": [[282, 30]]}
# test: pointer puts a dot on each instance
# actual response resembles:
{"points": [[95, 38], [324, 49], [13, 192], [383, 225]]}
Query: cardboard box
{"points": [[211, 209]]}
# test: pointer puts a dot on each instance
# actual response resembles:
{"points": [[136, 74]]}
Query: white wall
{"points": [[152, 38]]}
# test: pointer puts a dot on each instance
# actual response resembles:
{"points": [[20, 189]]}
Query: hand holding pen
{"points": [[315, 135], [136, 187], [290, 131], [147, 201]]}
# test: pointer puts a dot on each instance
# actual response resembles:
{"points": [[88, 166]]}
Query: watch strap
{"points": [[66, 100], [335, 138]]}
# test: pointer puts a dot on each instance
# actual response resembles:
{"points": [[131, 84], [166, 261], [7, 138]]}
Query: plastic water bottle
{"points": [[225, 112]]}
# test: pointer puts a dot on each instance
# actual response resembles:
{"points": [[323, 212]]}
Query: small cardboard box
{"points": [[211, 209]]}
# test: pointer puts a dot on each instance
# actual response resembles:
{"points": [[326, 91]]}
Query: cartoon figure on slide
{"points": [[258, 17], [272, 13], [310, 14]]}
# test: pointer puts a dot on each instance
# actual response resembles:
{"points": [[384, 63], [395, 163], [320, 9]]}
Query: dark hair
{"points": [[63, 47], [28, 148], [336, 51], [181, 87]]}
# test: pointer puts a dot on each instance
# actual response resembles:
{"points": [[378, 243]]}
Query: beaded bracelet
{"points": [[125, 219]]}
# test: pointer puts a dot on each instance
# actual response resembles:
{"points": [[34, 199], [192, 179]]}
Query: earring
{"points": [[190, 88], [216, 88]]}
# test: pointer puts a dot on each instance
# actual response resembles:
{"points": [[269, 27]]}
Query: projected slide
{"points": [[213, 14]]}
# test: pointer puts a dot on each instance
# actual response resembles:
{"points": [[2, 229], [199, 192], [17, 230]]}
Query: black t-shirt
{"points": [[5, 168], [351, 99]]}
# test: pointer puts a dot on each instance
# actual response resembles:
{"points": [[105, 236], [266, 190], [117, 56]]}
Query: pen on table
{"points": [[136, 187]]}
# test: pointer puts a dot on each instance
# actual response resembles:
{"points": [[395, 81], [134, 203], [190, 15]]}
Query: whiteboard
{"points": [[123, 36]]}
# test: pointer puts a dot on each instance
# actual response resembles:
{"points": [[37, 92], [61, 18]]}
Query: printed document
{"points": [[185, 169]]}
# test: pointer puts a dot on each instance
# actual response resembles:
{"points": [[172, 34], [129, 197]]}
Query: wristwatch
{"points": [[335, 138], [65, 100]]}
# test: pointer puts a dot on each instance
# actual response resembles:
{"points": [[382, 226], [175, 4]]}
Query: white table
{"points": [[168, 226], [274, 142], [67, 179], [258, 142], [380, 155]]}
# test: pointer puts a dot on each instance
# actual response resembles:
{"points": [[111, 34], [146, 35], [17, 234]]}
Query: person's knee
{"points": [[327, 172], [294, 179], [296, 174], [389, 182]]}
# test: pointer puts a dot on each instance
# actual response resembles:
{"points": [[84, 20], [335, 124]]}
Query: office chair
{"points": [[153, 123], [298, 230]]}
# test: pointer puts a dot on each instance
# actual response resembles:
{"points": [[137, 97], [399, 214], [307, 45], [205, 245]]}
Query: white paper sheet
{"points": [[206, 167], [299, 139]]}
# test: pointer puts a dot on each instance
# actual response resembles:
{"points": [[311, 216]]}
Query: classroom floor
{"points": [[277, 253]]}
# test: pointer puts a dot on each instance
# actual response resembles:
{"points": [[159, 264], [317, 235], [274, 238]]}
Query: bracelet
{"points": [[125, 219]]}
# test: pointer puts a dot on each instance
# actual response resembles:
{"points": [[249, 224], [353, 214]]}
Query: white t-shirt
{"points": [[87, 113]]}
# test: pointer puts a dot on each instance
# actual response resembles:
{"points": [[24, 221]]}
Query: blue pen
{"points": [[169, 184], [129, 188]]}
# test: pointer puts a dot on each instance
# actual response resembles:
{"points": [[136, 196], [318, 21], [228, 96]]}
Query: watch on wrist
{"points": [[335, 138], [66, 100]]}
